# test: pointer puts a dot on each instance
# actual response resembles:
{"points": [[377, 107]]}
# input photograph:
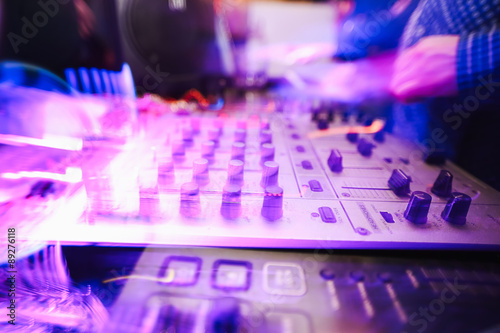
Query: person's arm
{"points": [[448, 65]]}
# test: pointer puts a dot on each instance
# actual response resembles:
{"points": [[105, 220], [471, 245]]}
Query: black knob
{"points": [[399, 183], [418, 207], [457, 208], [442, 185], [365, 147]]}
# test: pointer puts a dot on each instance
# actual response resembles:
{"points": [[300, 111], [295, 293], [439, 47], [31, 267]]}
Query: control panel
{"points": [[223, 290], [264, 174]]}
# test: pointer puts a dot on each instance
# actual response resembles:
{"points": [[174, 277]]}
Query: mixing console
{"points": [[216, 290], [254, 176]]}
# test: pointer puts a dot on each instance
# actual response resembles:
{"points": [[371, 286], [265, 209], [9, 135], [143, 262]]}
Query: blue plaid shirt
{"points": [[473, 140]]}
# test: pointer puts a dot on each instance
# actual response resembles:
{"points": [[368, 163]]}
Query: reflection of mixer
{"points": [[253, 177]]}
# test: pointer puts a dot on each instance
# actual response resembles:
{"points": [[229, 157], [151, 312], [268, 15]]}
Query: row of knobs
{"points": [[272, 207], [456, 208]]}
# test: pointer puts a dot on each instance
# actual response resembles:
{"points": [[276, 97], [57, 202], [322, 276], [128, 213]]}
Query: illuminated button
{"points": [[418, 207], [266, 153], [180, 271], [272, 207], [269, 174], [231, 201], [300, 149], [399, 183], [285, 279], [200, 172], [442, 185], [307, 165], [231, 275], [207, 149], [266, 136], [335, 161], [240, 135], [327, 215], [457, 208], [178, 149], [238, 151], [235, 172], [315, 186]]}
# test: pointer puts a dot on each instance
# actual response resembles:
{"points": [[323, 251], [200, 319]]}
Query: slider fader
{"points": [[253, 176]]}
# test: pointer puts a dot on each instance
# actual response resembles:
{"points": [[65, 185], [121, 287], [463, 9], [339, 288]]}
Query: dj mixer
{"points": [[270, 174]]}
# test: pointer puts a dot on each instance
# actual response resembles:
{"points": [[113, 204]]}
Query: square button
{"points": [[231, 275], [284, 279], [180, 271]]}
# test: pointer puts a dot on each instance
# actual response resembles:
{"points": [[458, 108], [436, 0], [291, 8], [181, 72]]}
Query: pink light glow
{"points": [[376, 126], [48, 141], [72, 175]]}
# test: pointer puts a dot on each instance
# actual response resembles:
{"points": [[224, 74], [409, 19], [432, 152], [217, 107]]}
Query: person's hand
{"points": [[427, 69]]}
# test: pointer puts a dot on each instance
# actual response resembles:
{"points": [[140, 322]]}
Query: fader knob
{"points": [[323, 124], [335, 161], [442, 185], [418, 207], [352, 137], [200, 172], [238, 151], [399, 183], [240, 135], [231, 201], [272, 207], [365, 147], [267, 153], [235, 172], [266, 136], [457, 208], [270, 174]]}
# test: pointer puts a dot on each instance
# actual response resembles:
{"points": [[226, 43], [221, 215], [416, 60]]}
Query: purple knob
{"points": [[235, 172], [266, 136], [365, 147], [238, 151], [266, 153], [241, 124], [335, 161], [214, 135], [200, 172], [379, 136], [457, 208], [418, 207], [442, 185], [264, 125], [269, 174], [240, 135], [187, 134], [272, 207], [190, 200], [231, 201], [323, 124], [399, 183], [207, 149], [195, 125], [352, 137], [178, 149]]}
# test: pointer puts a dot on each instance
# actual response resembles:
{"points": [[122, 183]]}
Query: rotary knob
{"points": [[272, 207], [200, 172], [235, 172], [178, 149], [266, 153], [231, 201], [269, 174], [365, 147], [335, 161], [418, 207], [240, 135], [187, 135], [207, 149], [190, 200], [442, 185], [266, 136], [214, 135], [238, 151], [457, 208]]}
